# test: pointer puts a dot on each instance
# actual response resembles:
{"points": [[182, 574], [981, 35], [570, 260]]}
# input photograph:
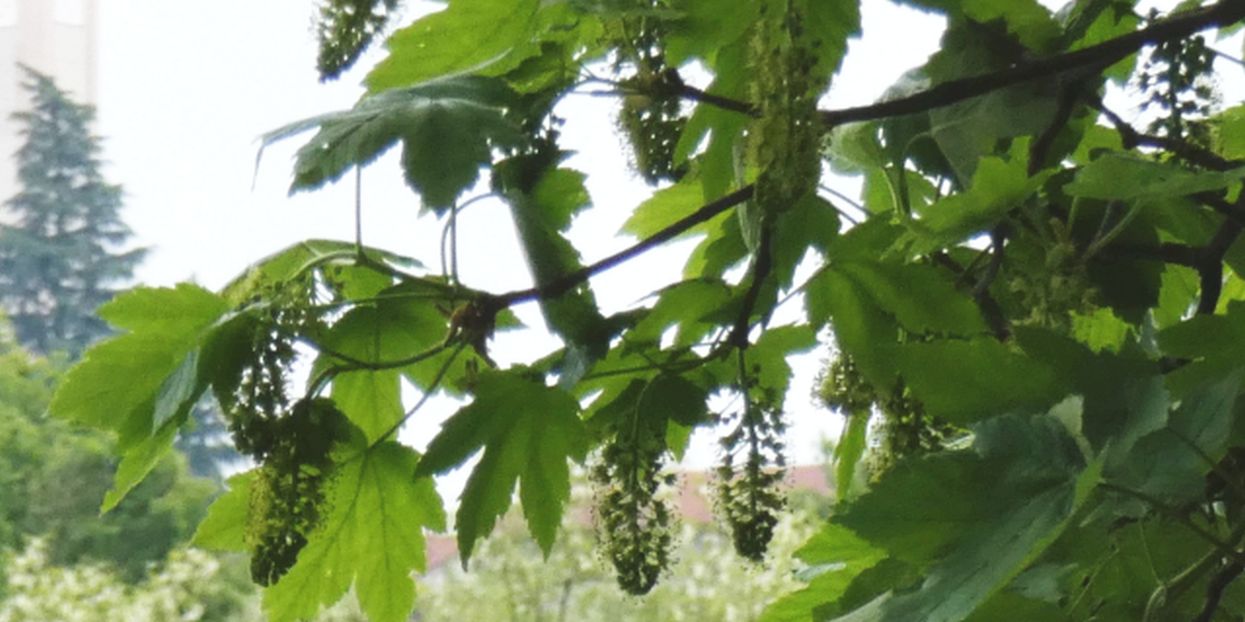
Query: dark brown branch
{"points": [[1069, 96], [1188, 151], [690, 92], [998, 241], [671, 85], [1208, 260], [761, 268], [1216, 587], [1210, 268], [1102, 55], [565, 283], [1216, 202], [990, 309]]}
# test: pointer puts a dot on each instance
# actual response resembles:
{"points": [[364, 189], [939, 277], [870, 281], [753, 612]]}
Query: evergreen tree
{"points": [[61, 251]]}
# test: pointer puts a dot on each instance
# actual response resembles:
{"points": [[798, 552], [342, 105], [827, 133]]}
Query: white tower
{"points": [[55, 37]]}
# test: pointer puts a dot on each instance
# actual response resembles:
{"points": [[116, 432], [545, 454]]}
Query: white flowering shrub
{"points": [[508, 579], [186, 587]]}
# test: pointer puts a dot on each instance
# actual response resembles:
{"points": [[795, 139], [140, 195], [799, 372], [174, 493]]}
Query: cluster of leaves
{"points": [[55, 476], [1089, 349]]}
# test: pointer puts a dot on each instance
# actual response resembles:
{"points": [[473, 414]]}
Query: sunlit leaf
{"points": [[528, 432], [372, 538]]}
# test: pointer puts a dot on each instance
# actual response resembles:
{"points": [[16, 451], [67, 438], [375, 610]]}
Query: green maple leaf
{"points": [[447, 128], [295, 258], [1128, 178], [973, 519], [372, 536], [387, 331], [835, 556], [224, 527], [469, 35], [528, 431], [142, 384]]}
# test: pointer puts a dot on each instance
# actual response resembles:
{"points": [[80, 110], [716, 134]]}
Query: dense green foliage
{"points": [[1042, 298], [55, 477], [63, 253]]}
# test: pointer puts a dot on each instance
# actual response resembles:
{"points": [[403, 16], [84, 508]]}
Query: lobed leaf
{"points": [[1123, 177], [467, 36], [985, 516], [447, 128], [528, 431], [141, 384], [224, 527], [371, 537]]}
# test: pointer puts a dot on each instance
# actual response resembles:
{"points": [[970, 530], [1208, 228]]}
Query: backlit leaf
{"points": [[528, 432], [372, 537]]}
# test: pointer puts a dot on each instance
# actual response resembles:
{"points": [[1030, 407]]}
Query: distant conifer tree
{"points": [[63, 243]]}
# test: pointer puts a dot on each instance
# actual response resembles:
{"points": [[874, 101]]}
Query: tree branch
{"points": [[561, 285], [760, 271], [1104, 54], [1039, 151], [990, 309], [1231, 211], [1215, 588], [1132, 138], [687, 91], [998, 243], [1210, 266]]}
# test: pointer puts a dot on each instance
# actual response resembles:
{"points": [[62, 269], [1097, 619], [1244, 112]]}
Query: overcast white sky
{"points": [[186, 87]]}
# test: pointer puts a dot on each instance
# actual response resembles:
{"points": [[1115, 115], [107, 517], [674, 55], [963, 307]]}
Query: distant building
{"points": [[55, 37]]}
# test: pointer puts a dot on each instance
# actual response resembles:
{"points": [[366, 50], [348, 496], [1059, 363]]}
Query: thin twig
{"points": [[1210, 268], [1216, 202], [998, 246], [1168, 252], [432, 387], [1224, 548], [449, 237], [690, 92], [846, 199], [1228, 57], [1105, 238], [1228, 479], [1039, 150], [1215, 588], [357, 364]]}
